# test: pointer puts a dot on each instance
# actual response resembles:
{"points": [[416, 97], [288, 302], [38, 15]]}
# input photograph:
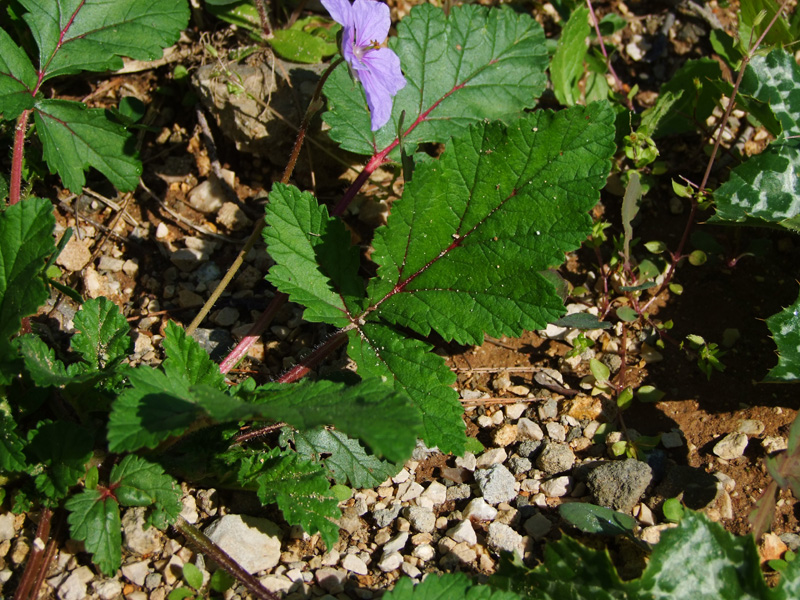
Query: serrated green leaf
{"points": [[474, 64], [135, 478], [763, 190], [380, 351], [445, 587], [596, 519], [17, 79], [75, 138], [94, 519], [102, 336], [63, 448], [302, 492], [343, 457], [463, 249], [785, 329], [41, 362], [698, 99], [316, 264], [25, 241], [154, 408], [774, 79], [186, 359], [92, 35], [700, 560], [653, 115], [566, 68], [12, 446]]}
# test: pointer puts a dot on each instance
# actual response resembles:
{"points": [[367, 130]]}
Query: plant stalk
{"points": [[15, 190]]}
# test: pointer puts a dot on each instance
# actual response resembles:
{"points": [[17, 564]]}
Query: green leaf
{"points": [[774, 79], [600, 371], [785, 329], [135, 479], [300, 46], [752, 25], [700, 560], [25, 241], [566, 68], [316, 264], [627, 314], [596, 519], [381, 351], [192, 576], [698, 99], [63, 448], [655, 114], [477, 63], [673, 510], [648, 393], [445, 587], [464, 247], [789, 587], [186, 359], [92, 35], [75, 138], [763, 190], [41, 362], [102, 336], [17, 79], [12, 455], [343, 457], [94, 519]]}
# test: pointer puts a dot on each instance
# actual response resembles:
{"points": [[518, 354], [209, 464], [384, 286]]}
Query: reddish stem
{"points": [[239, 352], [15, 191], [315, 358]]}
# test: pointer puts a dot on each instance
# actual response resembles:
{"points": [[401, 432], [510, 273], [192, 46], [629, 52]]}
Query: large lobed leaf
{"points": [[477, 63], [785, 329], [775, 80]]}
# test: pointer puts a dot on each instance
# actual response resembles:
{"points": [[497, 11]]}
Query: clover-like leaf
{"points": [[93, 35], [785, 329], [102, 336], [94, 519], [473, 64]]}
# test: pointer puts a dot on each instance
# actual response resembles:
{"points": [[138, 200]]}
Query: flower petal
{"points": [[371, 20], [381, 82], [386, 64], [340, 10]]}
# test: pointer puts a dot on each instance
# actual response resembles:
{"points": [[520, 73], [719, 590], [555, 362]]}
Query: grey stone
{"points": [[421, 519], [750, 427], [74, 586], [792, 540], [556, 487], [436, 493], [386, 516], [619, 484], [136, 572], [331, 580], [548, 410], [7, 530], [672, 439], [396, 544], [555, 458], [459, 492], [254, 543], [479, 510], [515, 411], [519, 465], [612, 361], [225, 317], [232, 217], [217, 342], [529, 430], [209, 195], [110, 264], [538, 526], [493, 456], [556, 432], [353, 563], [138, 537], [528, 448], [186, 259], [208, 272], [731, 446], [503, 538], [74, 256], [390, 562], [108, 589], [463, 532], [496, 484]]}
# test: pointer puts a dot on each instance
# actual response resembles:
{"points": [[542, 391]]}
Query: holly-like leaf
{"points": [[17, 78], [381, 351], [25, 240], [785, 329], [186, 359], [463, 249], [342, 456], [763, 190], [774, 79], [63, 448], [566, 68], [102, 336], [12, 447], [699, 559], [445, 587], [305, 243], [75, 138], [137, 482], [94, 519], [477, 63], [93, 35]]}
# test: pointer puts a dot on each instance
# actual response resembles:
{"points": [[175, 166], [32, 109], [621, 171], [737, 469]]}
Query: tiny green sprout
{"points": [[92, 478], [666, 325], [641, 149], [627, 314], [639, 448], [180, 73], [192, 576], [579, 291], [221, 581], [682, 191], [673, 510], [656, 246], [697, 258], [708, 354], [598, 236], [676, 288], [649, 393], [579, 345], [181, 593], [625, 399], [341, 492]]}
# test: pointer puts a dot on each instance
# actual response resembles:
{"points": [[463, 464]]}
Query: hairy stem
{"points": [[15, 190], [39, 560]]}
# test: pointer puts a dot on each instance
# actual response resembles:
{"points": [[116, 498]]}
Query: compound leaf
{"points": [[445, 587], [94, 519], [25, 240], [93, 35], [305, 243], [785, 328], [763, 190], [474, 64], [17, 79], [380, 351], [75, 138], [463, 250], [102, 336], [343, 457], [186, 359], [63, 449], [137, 482]]}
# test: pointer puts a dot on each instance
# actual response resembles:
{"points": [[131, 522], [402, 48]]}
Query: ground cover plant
{"points": [[499, 182]]}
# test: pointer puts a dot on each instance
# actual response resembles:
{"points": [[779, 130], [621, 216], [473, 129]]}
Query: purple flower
{"points": [[365, 26]]}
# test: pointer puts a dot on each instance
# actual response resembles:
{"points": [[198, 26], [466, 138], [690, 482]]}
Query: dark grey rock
{"points": [[519, 465], [421, 519], [555, 458], [548, 410], [619, 484], [528, 448], [496, 484], [386, 516]]}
